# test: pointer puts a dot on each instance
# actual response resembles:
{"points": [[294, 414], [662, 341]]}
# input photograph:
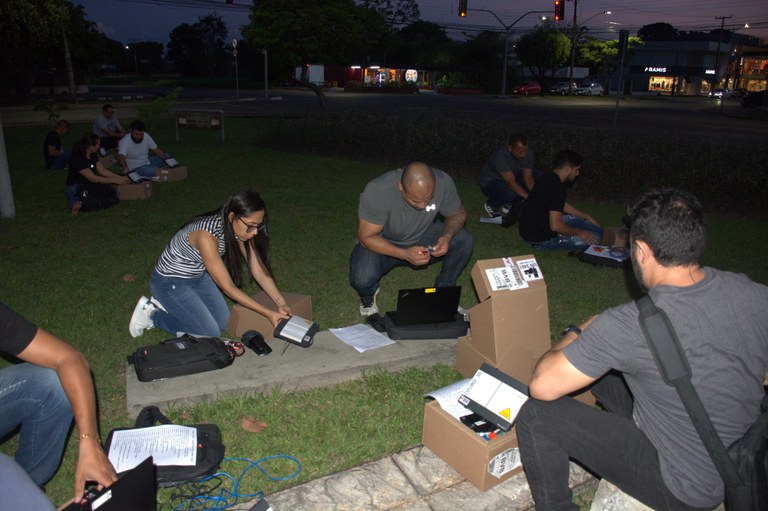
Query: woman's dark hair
{"points": [[82, 145], [672, 223], [243, 203]]}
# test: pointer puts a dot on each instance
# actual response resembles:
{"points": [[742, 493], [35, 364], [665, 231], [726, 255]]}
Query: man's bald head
{"points": [[417, 184]]}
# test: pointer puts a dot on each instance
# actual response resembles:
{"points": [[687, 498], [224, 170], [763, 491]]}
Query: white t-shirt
{"points": [[136, 155]]}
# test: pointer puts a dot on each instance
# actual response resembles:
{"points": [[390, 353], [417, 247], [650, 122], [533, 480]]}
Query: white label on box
{"points": [[530, 269], [504, 462], [505, 278]]}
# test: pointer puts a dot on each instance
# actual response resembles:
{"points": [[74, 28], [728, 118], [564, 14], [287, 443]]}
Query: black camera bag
{"points": [[181, 356]]}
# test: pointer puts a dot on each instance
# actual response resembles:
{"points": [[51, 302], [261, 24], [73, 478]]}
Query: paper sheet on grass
{"points": [[168, 444], [448, 397], [495, 220], [361, 337]]}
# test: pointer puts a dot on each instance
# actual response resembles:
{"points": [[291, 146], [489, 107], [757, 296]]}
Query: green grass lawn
{"points": [[79, 277]]}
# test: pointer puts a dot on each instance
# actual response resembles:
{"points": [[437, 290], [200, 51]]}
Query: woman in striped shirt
{"points": [[205, 258]]}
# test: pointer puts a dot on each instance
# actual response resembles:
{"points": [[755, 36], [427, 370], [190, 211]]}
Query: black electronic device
{"points": [[255, 341], [297, 330], [134, 490], [426, 305]]}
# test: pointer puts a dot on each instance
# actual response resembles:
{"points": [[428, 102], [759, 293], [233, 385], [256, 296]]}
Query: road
{"points": [[692, 115]]}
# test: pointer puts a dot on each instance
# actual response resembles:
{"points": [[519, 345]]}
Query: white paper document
{"points": [[488, 220], [361, 337], [448, 397], [167, 444]]}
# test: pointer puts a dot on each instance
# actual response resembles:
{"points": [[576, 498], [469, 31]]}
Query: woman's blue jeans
{"points": [[32, 397], [563, 242], [194, 306], [366, 268]]}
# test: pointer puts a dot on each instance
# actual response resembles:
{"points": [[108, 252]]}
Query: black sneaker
{"points": [[490, 210]]}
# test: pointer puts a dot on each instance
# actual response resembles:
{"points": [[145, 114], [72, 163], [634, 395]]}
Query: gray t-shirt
{"points": [[723, 327], [501, 161], [382, 203]]}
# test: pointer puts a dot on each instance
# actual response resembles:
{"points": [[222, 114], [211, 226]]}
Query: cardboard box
{"points": [[243, 319], [135, 191], [512, 319], [108, 160], [174, 174], [471, 455], [615, 237]]}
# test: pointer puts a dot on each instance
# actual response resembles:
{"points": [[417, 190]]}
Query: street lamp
{"points": [[506, 42], [574, 35], [135, 59]]}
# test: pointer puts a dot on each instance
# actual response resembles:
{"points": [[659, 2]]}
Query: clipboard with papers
{"points": [[495, 396]]}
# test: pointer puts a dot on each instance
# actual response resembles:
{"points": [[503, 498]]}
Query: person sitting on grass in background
{"points": [[190, 276], [87, 187], [40, 396], [56, 157], [643, 440], [508, 176], [133, 152], [547, 221], [107, 126], [397, 227]]}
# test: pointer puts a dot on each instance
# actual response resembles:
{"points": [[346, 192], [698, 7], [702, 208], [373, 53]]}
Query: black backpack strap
{"points": [[676, 371], [149, 416]]}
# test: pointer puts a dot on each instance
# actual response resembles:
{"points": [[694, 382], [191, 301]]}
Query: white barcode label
{"points": [[508, 277], [530, 269], [504, 462]]}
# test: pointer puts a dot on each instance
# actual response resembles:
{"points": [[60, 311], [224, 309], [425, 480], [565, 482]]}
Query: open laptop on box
{"points": [[424, 305], [134, 490]]}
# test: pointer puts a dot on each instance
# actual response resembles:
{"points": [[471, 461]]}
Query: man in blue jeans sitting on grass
{"points": [[397, 226], [547, 221]]}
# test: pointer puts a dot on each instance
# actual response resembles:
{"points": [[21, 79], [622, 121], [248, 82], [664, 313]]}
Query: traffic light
{"points": [[462, 8], [559, 10]]}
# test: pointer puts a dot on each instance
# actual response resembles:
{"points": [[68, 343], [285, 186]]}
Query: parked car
{"points": [[590, 89], [720, 93], [740, 92], [754, 99], [562, 88], [527, 88]]}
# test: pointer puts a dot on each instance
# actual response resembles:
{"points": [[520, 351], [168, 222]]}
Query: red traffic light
{"points": [[462, 8], [559, 10]]}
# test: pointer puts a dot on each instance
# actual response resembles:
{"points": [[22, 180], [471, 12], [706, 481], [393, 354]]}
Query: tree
{"points": [[298, 32], [545, 49], [657, 32], [200, 49], [603, 56], [395, 12], [28, 30], [422, 44], [483, 53]]}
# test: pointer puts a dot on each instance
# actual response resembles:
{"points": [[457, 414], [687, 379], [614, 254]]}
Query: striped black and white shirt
{"points": [[182, 260]]}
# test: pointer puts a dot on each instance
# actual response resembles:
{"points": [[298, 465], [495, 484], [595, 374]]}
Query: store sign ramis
{"points": [[652, 69]]}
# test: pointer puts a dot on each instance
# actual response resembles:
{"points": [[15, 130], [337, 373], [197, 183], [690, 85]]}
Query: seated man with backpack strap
{"points": [[644, 441]]}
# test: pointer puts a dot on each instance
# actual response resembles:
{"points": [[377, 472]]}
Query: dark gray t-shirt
{"points": [[382, 203], [723, 327], [501, 161]]}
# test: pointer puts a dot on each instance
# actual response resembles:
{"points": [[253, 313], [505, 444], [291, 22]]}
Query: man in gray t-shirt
{"points": [[645, 442], [508, 176], [397, 226]]}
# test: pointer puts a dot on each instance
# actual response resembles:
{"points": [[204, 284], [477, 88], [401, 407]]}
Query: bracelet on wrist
{"points": [[95, 437], [570, 328]]}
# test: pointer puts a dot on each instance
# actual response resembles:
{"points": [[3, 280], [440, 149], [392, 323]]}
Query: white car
{"points": [[590, 89]]}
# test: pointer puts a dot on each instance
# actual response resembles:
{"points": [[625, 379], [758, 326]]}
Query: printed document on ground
{"points": [[168, 444]]}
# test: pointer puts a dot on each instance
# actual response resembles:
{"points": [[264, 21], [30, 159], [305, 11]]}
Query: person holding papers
{"points": [[202, 260], [133, 152], [40, 396]]}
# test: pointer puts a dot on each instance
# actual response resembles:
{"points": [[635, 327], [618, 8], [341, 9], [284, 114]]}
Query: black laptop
{"points": [[425, 305], [134, 490]]}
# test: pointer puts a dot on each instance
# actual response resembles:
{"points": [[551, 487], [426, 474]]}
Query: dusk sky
{"points": [[153, 20]]}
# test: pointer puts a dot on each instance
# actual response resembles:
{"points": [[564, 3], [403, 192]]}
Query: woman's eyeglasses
{"points": [[250, 229]]}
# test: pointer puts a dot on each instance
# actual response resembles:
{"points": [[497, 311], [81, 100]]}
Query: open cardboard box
{"points": [[135, 191], [243, 319]]}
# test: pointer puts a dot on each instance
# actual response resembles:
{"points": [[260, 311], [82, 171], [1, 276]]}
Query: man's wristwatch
{"points": [[570, 328]]}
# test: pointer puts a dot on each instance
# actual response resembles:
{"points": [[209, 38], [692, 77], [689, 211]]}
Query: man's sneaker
{"points": [[141, 319], [505, 208], [490, 210], [368, 305]]}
